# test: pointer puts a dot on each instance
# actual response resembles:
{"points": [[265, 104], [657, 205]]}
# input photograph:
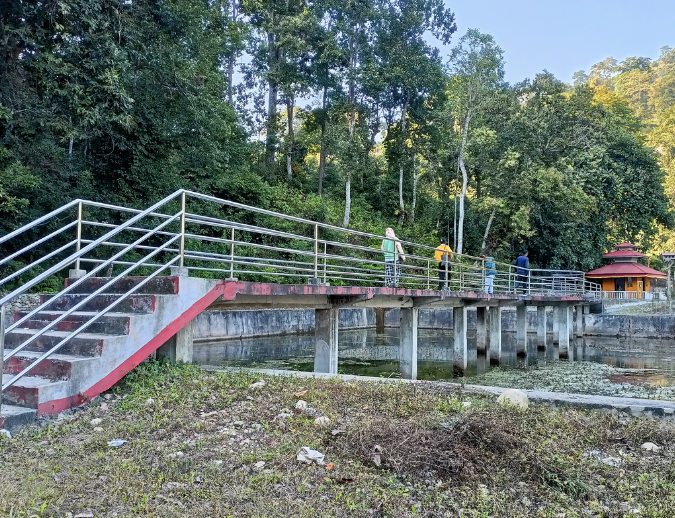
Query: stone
{"points": [[466, 404], [107, 396], [96, 422], [301, 405], [514, 397], [238, 424], [322, 421], [650, 446], [177, 455], [257, 385], [149, 402], [104, 407], [217, 463], [98, 429], [259, 465]]}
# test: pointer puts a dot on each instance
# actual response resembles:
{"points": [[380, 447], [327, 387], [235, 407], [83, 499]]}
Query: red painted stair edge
{"points": [[59, 405]]}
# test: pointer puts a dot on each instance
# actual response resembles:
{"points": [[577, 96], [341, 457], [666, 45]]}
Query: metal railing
{"points": [[212, 237]]}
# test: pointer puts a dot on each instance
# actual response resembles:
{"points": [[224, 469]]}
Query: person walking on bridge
{"points": [[392, 252], [522, 264], [443, 255], [490, 272]]}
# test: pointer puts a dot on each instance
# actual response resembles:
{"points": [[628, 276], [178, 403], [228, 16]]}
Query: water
{"points": [[366, 352]]}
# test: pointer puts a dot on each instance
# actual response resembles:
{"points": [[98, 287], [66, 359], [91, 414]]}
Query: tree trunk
{"points": [[465, 181], [401, 205], [352, 126], [270, 144], [487, 230], [322, 152], [291, 137], [230, 62], [416, 178], [348, 199]]}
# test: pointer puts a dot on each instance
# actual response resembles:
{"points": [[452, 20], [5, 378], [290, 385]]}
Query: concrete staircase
{"points": [[96, 358]]}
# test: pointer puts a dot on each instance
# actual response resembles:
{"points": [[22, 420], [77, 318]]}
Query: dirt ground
{"points": [[210, 444]]}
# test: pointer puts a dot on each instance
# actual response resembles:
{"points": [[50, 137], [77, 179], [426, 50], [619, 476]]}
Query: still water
{"points": [[366, 352]]}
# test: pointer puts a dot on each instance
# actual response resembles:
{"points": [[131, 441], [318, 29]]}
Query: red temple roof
{"points": [[624, 253], [626, 245], [625, 270]]}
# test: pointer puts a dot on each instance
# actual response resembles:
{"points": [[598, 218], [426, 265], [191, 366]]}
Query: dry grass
{"points": [[437, 457]]}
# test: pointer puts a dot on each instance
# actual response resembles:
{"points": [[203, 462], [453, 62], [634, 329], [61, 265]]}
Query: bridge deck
{"points": [[252, 295]]}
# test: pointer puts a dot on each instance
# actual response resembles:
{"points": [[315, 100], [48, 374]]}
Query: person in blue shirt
{"points": [[490, 272], [522, 264]]}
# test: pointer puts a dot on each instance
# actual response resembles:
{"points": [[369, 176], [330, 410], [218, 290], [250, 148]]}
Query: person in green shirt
{"points": [[393, 251]]}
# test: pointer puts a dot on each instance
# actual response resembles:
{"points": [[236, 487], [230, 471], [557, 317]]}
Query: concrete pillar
{"points": [[408, 343], [481, 329], [563, 331], [556, 325], [179, 347], [541, 327], [521, 329], [579, 324], [326, 340], [570, 321], [495, 334], [459, 338], [379, 320]]}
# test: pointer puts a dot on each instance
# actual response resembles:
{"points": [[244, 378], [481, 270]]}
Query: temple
{"points": [[625, 273]]}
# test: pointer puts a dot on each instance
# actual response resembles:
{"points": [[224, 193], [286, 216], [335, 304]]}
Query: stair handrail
{"points": [[79, 253], [40, 220], [79, 281]]}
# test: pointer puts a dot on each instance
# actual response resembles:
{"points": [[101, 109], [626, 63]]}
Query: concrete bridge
{"points": [[135, 280]]}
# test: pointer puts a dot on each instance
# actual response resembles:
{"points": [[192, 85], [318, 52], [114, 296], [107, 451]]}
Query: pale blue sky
{"points": [[566, 36]]}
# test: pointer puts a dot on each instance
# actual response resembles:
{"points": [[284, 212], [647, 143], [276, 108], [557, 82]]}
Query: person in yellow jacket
{"points": [[444, 257]]}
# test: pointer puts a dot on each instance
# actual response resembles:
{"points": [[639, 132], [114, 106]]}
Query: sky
{"points": [[563, 36]]}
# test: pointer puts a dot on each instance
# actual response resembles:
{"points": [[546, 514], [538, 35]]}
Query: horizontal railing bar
{"points": [[38, 242], [39, 220], [37, 262]]}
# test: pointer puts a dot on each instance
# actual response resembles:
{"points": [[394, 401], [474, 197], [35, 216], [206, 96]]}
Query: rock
{"points": [[177, 455], [650, 446], [107, 396], [6, 433], [257, 385], [466, 404], [301, 405], [98, 429], [309, 456], [116, 443], [95, 422], [259, 465], [149, 402], [84, 515], [604, 458], [104, 407], [514, 397], [217, 463], [249, 398], [238, 424], [322, 421]]}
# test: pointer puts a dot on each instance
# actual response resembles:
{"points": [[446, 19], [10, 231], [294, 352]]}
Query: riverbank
{"points": [[209, 444]]}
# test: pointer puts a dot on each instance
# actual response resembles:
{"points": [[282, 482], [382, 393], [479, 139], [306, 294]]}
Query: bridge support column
{"points": [[326, 340], [459, 338], [579, 324], [481, 329], [496, 334], [179, 347], [541, 327], [570, 321], [379, 320], [563, 331], [521, 329], [556, 325], [408, 343]]}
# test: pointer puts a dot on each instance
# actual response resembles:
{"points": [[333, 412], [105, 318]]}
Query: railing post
{"points": [[316, 251], [529, 281], [428, 274], [182, 230], [446, 286], [232, 254], [2, 349], [325, 247], [79, 233]]}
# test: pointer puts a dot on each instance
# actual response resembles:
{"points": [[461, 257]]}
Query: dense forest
{"points": [[342, 112]]}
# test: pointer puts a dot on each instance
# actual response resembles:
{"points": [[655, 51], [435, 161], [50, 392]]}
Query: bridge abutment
{"points": [[556, 325], [521, 330], [459, 338], [495, 334], [481, 328], [563, 330], [541, 327]]}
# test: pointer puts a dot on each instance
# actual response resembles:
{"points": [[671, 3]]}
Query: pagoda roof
{"points": [[625, 270], [623, 253], [626, 245]]}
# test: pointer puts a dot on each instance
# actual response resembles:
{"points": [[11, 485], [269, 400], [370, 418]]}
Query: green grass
{"points": [[439, 457]]}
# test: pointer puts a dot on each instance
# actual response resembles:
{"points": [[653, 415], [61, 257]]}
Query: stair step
{"points": [[57, 366], [136, 304], [155, 286], [84, 344], [13, 417], [30, 391], [110, 323]]}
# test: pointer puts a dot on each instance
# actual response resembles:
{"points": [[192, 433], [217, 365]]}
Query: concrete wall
{"points": [[643, 326]]}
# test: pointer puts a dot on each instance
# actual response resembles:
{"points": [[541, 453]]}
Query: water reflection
{"points": [[369, 353]]}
